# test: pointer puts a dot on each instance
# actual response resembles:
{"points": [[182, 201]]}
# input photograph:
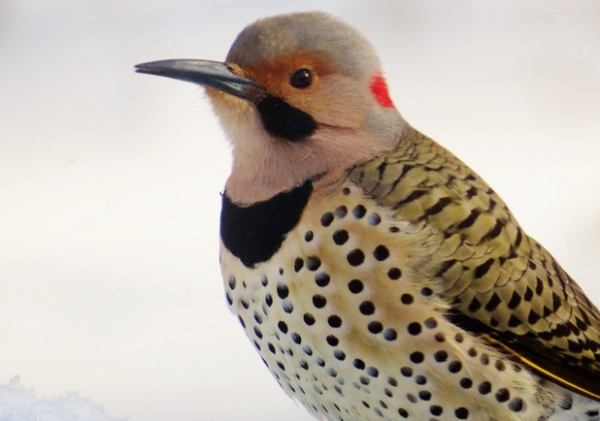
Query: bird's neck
{"points": [[281, 166]]}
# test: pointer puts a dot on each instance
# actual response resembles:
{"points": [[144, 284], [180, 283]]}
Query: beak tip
{"points": [[146, 68]]}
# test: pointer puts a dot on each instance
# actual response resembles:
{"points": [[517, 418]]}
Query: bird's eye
{"points": [[301, 79]]}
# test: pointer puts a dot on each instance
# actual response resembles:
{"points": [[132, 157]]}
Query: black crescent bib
{"points": [[254, 233]]}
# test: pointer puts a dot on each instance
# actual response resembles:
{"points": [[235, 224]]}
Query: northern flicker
{"points": [[377, 275]]}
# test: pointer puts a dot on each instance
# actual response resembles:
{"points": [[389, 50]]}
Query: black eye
{"points": [[301, 79]]}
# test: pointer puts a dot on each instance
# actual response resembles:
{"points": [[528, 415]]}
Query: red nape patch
{"points": [[380, 91]]}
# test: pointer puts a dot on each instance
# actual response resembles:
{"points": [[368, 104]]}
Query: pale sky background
{"points": [[110, 180]]}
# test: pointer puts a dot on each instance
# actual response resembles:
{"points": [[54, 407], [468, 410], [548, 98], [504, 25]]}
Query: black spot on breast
{"points": [[332, 340], [255, 233], [390, 334], [417, 357], [358, 363], [280, 119]]}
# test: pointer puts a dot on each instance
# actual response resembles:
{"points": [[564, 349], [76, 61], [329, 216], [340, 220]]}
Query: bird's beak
{"points": [[204, 72]]}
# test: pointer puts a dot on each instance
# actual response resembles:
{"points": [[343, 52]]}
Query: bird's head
{"points": [[300, 96]]}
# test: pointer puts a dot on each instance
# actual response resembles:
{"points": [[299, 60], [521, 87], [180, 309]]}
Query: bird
{"points": [[376, 274]]}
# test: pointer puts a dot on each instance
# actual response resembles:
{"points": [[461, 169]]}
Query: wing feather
{"points": [[498, 280]]}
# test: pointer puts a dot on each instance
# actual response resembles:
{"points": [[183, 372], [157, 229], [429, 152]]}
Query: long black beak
{"points": [[204, 72]]}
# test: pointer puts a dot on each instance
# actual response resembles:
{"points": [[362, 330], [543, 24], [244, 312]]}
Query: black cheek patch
{"points": [[282, 120], [254, 233]]}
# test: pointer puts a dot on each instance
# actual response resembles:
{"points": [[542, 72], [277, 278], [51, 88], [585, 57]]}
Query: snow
{"points": [[18, 403]]}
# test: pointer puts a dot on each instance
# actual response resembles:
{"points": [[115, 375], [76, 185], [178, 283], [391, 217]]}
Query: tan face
{"points": [[331, 98]]}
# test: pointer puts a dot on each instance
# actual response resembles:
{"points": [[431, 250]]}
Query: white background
{"points": [[110, 180]]}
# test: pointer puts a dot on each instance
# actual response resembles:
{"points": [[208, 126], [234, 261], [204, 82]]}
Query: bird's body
{"points": [[352, 316], [377, 275]]}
